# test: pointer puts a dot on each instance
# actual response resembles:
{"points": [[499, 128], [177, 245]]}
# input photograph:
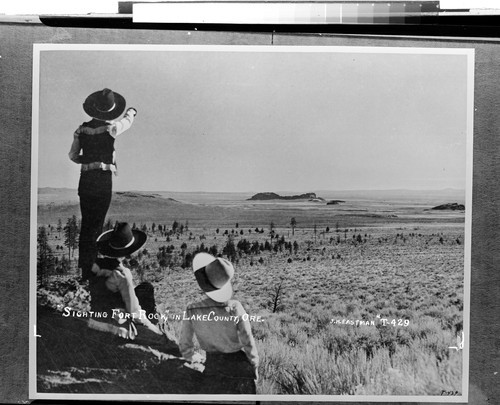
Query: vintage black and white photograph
{"points": [[283, 223]]}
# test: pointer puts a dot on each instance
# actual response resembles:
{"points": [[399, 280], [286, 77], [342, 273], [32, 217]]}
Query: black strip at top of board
{"points": [[475, 26]]}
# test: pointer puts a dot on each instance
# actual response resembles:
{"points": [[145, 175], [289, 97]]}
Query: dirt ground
{"points": [[72, 358]]}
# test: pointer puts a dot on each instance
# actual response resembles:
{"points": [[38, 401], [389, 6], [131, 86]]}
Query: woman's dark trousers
{"points": [[95, 190]]}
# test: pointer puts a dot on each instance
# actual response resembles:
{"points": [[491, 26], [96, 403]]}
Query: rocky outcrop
{"points": [[450, 207], [274, 196]]}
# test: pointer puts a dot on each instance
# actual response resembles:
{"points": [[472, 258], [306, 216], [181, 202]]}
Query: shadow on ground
{"points": [[71, 358]]}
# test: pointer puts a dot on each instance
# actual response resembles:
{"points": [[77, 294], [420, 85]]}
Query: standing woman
{"points": [[222, 331], [93, 148]]}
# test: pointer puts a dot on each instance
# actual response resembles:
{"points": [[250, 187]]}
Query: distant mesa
{"points": [[274, 196], [450, 206], [334, 202], [133, 194]]}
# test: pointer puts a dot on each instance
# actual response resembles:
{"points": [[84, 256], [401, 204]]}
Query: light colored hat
{"points": [[214, 275]]}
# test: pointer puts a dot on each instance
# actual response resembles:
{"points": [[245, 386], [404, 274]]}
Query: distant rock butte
{"points": [[334, 202], [450, 206], [135, 195], [132, 194], [274, 196]]}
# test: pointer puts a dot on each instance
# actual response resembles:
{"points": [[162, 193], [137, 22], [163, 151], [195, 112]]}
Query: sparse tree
{"points": [[271, 231], [276, 297], [45, 259], [293, 224], [59, 226], [71, 235], [175, 225], [188, 260], [213, 250], [230, 250], [63, 265]]}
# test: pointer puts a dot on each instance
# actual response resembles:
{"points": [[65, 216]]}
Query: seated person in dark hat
{"points": [[222, 331], [130, 311]]}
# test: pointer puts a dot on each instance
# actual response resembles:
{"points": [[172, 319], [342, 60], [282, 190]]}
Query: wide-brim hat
{"points": [[120, 241], [214, 275], [104, 105]]}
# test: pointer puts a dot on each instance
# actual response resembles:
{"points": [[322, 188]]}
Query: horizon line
{"points": [[277, 192]]}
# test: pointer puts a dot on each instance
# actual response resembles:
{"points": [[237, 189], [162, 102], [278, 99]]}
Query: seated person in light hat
{"points": [[112, 289], [232, 359]]}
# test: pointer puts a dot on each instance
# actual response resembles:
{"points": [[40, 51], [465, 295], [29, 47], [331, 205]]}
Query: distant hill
{"points": [[450, 206], [57, 196], [223, 210], [55, 204], [432, 197], [274, 196]]}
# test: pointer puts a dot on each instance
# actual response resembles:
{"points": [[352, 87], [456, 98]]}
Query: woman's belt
{"points": [[98, 166]]}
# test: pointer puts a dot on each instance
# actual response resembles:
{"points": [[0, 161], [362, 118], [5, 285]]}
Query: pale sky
{"points": [[263, 121]]}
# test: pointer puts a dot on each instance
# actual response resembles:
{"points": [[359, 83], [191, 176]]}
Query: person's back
{"points": [[112, 291], [102, 299], [222, 331]]}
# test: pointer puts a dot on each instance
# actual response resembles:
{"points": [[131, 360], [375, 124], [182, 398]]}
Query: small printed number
{"points": [[444, 392]]}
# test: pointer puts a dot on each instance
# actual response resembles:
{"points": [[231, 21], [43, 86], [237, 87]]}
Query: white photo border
{"points": [[38, 49]]}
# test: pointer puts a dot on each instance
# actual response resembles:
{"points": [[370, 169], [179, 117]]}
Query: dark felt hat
{"points": [[120, 241], [214, 275], [104, 105]]}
